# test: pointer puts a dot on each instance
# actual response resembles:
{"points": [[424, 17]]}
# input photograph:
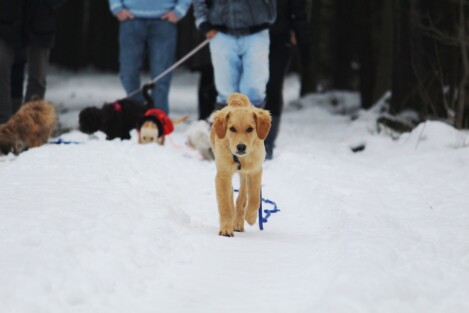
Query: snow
{"points": [[113, 226]]}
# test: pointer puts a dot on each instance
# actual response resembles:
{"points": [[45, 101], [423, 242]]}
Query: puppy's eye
{"points": [[250, 129], [232, 129], [144, 138]]}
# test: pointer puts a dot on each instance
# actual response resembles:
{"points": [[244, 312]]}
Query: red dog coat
{"points": [[162, 121]]}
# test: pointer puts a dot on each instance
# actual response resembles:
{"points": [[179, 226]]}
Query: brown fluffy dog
{"points": [[30, 127], [237, 139]]}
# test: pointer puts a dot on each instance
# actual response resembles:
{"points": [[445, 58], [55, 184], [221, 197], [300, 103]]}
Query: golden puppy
{"points": [[30, 127], [237, 140]]}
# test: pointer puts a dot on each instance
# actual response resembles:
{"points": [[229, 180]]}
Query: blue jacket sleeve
{"points": [[181, 8], [116, 6]]}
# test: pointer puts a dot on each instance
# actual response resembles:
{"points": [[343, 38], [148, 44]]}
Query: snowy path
{"points": [[119, 227]]}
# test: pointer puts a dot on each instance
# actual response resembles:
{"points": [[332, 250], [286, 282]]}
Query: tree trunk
{"points": [[309, 76], [384, 62], [462, 109], [344, 52], [365, 51], [402, 75]]}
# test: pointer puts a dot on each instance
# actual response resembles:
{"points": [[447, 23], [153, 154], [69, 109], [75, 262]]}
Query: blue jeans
{"points": [[241, 64], [158, 38]]}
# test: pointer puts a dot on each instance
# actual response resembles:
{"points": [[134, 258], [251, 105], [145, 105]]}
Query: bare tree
{"points": [[461, 116]]}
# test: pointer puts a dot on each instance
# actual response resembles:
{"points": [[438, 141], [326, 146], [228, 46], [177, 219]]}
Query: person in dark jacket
{"points": [[17, 79], [11, 15], [31, 24], [239, 45], [290, 28]]}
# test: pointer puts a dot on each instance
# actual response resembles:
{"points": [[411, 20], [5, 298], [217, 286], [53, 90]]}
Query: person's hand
{"points": [[170, 17], [124, 15], [293, 40], [210, 34]]}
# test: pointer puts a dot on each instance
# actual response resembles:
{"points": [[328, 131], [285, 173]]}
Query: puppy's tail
{"points": [[180, 120], [146, 95], [238, 100]]}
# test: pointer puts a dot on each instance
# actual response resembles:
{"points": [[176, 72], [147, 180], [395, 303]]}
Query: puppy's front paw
{"points": [[226, 231], [251, 217]]}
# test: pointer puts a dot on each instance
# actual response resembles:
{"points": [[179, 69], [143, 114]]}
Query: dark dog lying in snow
{"points": [[116, 119]]}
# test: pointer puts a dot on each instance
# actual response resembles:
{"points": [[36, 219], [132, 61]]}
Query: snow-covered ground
{"points": [[113, 226]]}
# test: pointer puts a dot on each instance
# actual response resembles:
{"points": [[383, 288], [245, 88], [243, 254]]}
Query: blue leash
{"points": [[264, 219], [60, 141]]}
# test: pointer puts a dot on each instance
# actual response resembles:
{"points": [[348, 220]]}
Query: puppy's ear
{"points": [[220, 121], [263, 121]]}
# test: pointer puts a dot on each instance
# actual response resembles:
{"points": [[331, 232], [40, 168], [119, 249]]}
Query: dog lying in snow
{"points": [[155, 125], [198, 138], [30, 127], [237, 139], [116, 119]]}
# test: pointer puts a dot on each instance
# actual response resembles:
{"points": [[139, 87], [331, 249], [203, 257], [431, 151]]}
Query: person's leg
{"points": [[279, 61], [162, 39], [17, 78], [132, 34], [207, 92], [255, 70], [38, 63], [227, 68], [7, 56]]}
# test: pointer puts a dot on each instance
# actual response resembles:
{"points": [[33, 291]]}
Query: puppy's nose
{"points": [[241, 147]]}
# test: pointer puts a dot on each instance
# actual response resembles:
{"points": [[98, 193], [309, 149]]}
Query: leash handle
{"points": [[172, 67]]}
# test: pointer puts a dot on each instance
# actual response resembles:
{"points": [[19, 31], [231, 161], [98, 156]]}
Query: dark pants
{"points": [[12, 76], [279, 61], [207, 92], [17, 74], [38, 63], [7, 57], [17, 79]]}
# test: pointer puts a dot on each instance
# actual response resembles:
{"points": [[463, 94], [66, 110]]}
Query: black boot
{"points": [[269, 142]]}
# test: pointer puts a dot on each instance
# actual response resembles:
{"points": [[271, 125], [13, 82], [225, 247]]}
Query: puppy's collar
{"points": [[236, 160]]}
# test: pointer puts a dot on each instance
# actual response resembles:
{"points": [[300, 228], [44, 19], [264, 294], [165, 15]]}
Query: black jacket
{"points": [[40, 22], [238, 17], [11, 17], [29, 22], [291, 16]]}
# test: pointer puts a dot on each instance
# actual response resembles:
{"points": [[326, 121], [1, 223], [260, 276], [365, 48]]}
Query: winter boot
{"points": [[269, 142]]}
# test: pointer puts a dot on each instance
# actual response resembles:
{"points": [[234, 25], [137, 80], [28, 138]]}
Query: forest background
{"points": [[413, 51]]}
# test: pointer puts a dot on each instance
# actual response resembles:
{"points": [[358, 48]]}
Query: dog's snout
{"points": [[241, 147]]}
